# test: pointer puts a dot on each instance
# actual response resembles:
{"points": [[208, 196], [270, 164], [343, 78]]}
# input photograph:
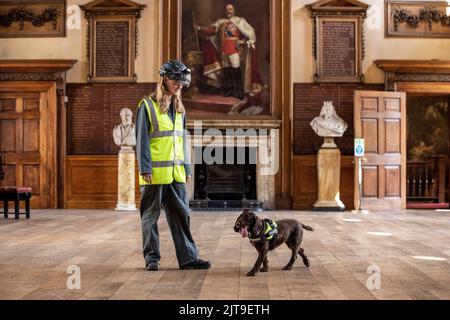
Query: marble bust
{"points": [[124, 134], [328, 123]]}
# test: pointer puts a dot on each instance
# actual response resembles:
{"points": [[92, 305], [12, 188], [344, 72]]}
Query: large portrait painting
{"points": [[227, 46], [428, 119]]}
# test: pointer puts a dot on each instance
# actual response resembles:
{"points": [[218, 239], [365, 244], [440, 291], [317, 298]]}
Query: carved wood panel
{"points": [[423, 19], [31, 18]]}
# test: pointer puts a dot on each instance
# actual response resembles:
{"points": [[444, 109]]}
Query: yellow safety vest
{"points": [[166, 146]]}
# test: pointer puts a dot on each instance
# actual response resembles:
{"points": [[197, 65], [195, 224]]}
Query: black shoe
{"points": [[228, 92], [239, 93], [197, 264], [152, 266]]}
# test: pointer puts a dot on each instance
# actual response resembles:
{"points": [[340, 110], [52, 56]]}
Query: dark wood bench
{"points": [[16, 194]]}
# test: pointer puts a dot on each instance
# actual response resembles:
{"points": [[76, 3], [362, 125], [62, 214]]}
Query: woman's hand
{"points": [[147, 177]]}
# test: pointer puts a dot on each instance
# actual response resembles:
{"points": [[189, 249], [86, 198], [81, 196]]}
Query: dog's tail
{"points": [[307, 227]]}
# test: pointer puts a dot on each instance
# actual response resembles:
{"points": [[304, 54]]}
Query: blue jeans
{"points": [[174, 199]]}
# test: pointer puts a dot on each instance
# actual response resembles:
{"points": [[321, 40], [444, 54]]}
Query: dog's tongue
{"points": [[244, 232]]}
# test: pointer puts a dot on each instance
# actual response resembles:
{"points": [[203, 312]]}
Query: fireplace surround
{"points": [[225, 179]]}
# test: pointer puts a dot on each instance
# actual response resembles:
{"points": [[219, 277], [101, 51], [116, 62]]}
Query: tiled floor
{"points": [[35, 255]]}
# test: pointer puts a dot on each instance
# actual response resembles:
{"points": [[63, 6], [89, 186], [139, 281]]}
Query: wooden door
{"points": [[27, 139], [380, 119]]}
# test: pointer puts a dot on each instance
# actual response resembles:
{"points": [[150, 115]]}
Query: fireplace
{"points": [[233, 164], [229, 183]]}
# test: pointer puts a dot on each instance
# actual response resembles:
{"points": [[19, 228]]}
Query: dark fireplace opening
{"points": [[225, 178]]}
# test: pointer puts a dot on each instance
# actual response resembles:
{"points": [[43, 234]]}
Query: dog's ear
{"points": [[253, 217], [257, 227]]}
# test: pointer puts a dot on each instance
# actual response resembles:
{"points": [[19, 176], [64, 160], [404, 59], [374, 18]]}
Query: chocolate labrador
{"points": [[266, 235]]}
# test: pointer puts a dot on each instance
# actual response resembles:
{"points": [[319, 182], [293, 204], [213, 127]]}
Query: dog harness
{"points": [[269, 232]]}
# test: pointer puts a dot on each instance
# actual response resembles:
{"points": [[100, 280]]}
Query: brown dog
{"points": [[264, 235]]}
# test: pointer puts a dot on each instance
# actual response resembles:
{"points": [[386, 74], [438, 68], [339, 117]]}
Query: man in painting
{"points": [[230, 51]]}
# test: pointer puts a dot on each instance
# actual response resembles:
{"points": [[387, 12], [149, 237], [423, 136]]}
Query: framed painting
{"points": [[338, 40], [428, 119], [231, 48], [112, 46]]}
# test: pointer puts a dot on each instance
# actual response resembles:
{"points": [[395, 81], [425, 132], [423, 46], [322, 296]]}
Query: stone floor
{"points": [[411, 249]]}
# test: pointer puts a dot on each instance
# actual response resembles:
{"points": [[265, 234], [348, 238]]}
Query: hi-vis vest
{"points": [[271, 229], [166, 146]]}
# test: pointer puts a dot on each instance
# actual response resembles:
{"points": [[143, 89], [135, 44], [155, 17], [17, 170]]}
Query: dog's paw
{"points": [[306, 263], [287, 267], [264, 269], [251, 273]]}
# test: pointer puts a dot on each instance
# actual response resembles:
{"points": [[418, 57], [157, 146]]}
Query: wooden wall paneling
{"points": [[282, 99], [305, 182], [51, 144], [7, 129], [61, 145], [43, 145], [91, 182], [10, 175]]}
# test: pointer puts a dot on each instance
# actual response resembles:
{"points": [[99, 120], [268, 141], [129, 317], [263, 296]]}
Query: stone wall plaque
{"points": [[422, 19], [28, 18], [112, 39], [338, 39]]}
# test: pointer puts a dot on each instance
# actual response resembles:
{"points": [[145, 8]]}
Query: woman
{"points": [[161, 152]]}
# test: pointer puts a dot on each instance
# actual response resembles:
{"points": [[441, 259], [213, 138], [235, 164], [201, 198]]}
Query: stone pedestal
{"points": [[126, 180], [328, 174]]}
